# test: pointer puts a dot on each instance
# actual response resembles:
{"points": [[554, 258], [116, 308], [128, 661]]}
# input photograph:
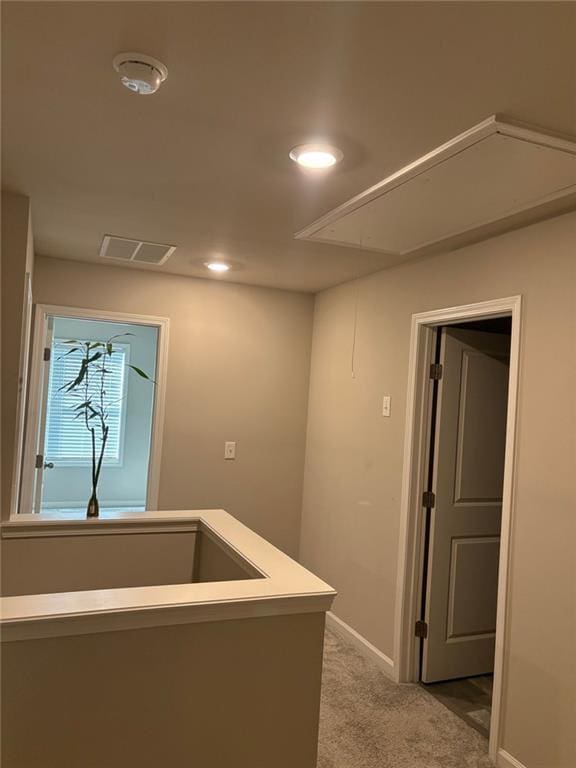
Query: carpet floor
{"points": [[368, 721]]}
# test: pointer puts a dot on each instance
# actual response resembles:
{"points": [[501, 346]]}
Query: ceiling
{"points": [[203, 164]]}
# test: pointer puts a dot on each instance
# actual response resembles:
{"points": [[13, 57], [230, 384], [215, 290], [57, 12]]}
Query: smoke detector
{"points": [[140, 73]]}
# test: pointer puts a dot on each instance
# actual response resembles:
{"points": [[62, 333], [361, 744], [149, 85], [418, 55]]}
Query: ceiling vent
{"points": [[137, 251]]}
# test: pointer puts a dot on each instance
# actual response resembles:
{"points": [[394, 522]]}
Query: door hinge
{"points": [[436, 371], [421, 629], [39, 461], [429, 499], [46, 354]]}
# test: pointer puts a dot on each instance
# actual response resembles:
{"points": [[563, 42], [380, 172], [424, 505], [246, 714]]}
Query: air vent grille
{"points": [[139, 251]]}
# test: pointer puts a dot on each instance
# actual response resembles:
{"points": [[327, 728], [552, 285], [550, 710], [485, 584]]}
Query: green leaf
{"points": [[85, 404], [74, 349], [120, 335], [140, 372], [109, 349], [78, 380]]}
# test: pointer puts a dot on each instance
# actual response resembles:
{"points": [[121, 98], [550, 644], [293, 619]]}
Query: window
{"points": [[68, 441]]}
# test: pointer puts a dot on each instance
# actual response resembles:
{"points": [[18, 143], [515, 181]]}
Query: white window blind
{"points": [[67, 439]]}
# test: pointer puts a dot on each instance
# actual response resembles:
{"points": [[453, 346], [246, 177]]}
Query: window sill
{"points": [[112, 514]]}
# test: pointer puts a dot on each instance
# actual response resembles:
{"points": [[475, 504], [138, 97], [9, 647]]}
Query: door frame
{"points": [[41, 314], [27, 309], [410, 561]]}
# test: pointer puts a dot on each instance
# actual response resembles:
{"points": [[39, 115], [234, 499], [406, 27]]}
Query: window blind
{"points": [[67, 439]]}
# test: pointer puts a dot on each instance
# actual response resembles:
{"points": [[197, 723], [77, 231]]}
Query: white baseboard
{"points": [[505, 760], [345, 630]]}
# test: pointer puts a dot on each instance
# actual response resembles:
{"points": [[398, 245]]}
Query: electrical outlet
{"points": [[230, 450]]}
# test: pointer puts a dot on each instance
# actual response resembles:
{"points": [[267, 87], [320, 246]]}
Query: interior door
{"points": [[40, 463], [465, 518]]}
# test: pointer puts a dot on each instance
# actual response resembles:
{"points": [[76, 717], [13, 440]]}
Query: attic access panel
{"points": [[491, 172]]}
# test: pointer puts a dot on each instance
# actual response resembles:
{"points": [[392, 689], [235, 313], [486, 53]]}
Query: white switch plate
{"points": [[230, 450], [386, 405]]}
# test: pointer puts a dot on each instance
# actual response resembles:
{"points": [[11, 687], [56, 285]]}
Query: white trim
{"points": [[157, 432], [358, 641], [506, 760], [275, 584], [21, 395], [27, 469], [409, 561], [495, 124], [163, 616], [115, 524], [42, 312]]}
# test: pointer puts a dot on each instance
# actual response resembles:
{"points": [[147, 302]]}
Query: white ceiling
{"points": [[203, 163]]}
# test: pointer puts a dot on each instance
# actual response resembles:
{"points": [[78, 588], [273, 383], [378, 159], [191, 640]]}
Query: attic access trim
{"points": [[491, 172], [138, 251]]}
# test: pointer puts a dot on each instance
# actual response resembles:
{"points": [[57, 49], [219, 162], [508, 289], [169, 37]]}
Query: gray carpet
{"points": [[368, 721]]}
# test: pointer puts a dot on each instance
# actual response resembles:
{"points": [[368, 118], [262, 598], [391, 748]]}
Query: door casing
{"points": [[410, 560], [27, 305], [41, 314]]}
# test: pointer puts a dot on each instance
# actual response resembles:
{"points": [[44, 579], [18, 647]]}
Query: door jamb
{"points": [[41, 313], [413, 479], [22, 393]]}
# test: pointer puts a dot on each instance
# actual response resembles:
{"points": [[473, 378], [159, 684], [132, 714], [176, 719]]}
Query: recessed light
{"points": [[318, 156], [217, 266]]}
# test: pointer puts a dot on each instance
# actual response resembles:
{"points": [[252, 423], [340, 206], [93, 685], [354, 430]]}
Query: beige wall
{"points": [[72, 562], [238, 368], [33, 565], [230, 694], [214, 561], [257, 341], [17, 260], [353, 473]]}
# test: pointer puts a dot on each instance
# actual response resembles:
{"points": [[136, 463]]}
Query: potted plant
{"points": [[88, 386]]}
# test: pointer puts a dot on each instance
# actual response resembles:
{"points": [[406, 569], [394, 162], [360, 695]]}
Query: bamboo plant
{"points": [[89, 387]]}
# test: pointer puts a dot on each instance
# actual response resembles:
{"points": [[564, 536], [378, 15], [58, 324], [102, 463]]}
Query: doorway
{"points": [[463, 512], [125, 383], [441, 633]]}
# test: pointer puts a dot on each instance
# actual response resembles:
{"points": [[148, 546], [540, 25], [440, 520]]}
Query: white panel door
{"points": [[40, 463], [464, 542]]}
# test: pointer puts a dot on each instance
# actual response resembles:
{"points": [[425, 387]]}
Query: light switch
{"points": [[230, 450], [386, 405]]}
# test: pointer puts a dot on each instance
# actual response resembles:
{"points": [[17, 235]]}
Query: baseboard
{"points": [[345, 630], [505, 760]]}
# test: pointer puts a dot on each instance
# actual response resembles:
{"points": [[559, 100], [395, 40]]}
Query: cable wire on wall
{"points": [[355, 325]]}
